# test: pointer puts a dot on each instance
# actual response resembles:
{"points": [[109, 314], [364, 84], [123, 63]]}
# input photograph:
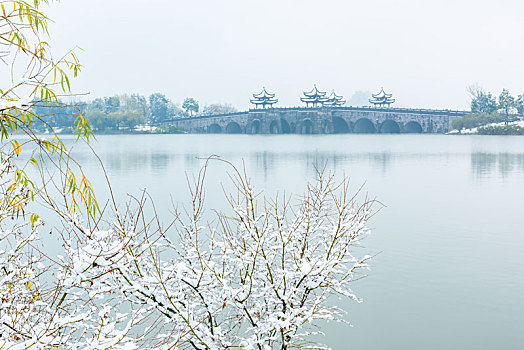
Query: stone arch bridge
{"points": [[322, 120]]}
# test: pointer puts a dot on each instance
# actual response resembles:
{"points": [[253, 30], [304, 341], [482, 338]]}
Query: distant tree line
{"points": [[124, 113], [486, 108], [486, 102]]}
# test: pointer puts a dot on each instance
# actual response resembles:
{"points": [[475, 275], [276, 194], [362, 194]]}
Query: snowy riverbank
{"points": [[472, 131]]}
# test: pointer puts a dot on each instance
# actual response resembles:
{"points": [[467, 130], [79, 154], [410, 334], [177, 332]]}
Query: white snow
{"points": [[475, 130]]}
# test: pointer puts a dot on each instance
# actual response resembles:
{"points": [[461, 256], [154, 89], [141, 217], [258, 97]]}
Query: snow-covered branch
{"points": [[258, 277]]}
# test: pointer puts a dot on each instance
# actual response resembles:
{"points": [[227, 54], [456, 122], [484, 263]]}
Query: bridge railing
{"points": [[367, 108], [207, 116], [448, 112]]}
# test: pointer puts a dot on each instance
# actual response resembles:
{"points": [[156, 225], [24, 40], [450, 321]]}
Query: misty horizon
{"points": [[426, 55]]}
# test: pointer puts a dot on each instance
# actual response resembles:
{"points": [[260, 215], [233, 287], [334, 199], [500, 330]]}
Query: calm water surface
{"points": [[450, 273]]}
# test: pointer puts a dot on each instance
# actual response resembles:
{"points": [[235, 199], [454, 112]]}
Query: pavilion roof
{"points": [[263, 94], [314, 92], [335, 96], [382, 98], [382, 94]]}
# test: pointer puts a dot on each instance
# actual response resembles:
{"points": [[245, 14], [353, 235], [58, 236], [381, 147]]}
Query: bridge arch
{"points": [[327, 127], [364, 126], [413, 127], [214, 129], [340, 126], [389, 126], [254, 127], [274, 128], [233, 128], [286, 129], [279, 127], [306, 127]]}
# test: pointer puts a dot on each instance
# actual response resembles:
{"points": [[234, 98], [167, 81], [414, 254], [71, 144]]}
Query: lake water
{"points": [[450, 273]]}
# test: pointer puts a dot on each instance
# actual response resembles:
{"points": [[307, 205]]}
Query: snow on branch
{"points": [[258, 277]]}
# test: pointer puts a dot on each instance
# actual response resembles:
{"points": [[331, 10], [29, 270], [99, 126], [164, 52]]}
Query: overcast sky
{"points": [[424, 52]]}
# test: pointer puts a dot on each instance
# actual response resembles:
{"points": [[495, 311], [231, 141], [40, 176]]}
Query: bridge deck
{"points": [[450, 112]]}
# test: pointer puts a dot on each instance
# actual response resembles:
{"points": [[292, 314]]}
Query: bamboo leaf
{"points": [[16, 147]]}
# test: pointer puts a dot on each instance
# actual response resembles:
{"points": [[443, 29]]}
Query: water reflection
{"points": [[160, 161], [265, 162], [381, 161], [482, 164], [487, 164], [191, 160], [122, 163], [268, 162]]}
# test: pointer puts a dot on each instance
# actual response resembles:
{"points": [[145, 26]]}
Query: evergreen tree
{"points": [[158, 105], [190, 105], [506, 101], [112, 104], [520, 104], [482, 101]]}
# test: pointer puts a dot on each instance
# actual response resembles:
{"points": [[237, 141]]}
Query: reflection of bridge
{"points": [[324, 120]]}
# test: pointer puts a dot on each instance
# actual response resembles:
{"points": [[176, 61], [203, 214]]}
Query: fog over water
{"points": [[450, 237]]}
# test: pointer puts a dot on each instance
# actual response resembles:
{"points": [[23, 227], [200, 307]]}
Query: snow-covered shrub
{"points": [[258, 278]]}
